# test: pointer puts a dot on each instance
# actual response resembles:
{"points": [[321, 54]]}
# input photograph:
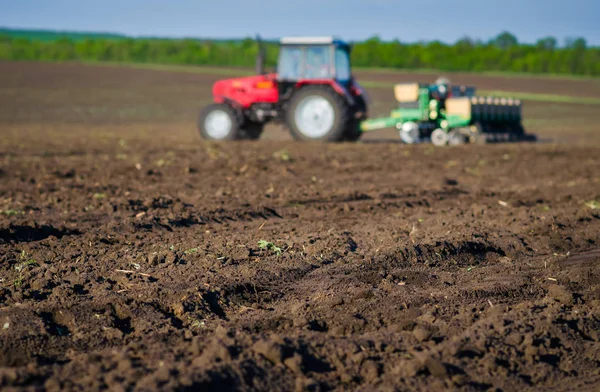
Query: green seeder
{"points": [[445, 114]]}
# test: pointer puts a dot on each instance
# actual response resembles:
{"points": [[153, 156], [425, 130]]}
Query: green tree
{"points": [[547, 43], [505, 40], [503, 53]]}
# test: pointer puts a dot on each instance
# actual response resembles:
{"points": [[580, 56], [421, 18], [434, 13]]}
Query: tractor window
{"points": [[342, 65], [290, 63], [318, 62]]}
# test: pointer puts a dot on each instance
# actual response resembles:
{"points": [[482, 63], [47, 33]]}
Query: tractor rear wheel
{"points": [[354, 133], [318, 113], [219, 121]]}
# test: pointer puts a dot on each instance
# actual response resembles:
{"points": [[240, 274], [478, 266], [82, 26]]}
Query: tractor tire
{"points": [[318, 113], [354, 133], [252, 130], [218, 122]]}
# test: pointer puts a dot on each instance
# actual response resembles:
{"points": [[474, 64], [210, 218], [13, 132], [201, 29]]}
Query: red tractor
{"points": [[313, 92]]}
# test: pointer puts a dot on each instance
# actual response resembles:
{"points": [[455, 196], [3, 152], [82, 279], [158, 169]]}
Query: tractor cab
{"points": [[314, 58]]}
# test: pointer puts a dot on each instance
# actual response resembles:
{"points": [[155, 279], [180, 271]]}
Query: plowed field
{"points": [[134, 256]]}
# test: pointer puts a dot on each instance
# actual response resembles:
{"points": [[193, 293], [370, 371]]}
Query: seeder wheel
{"points": [[476, 134], [409, 132], [439, 137], [456, 137]]}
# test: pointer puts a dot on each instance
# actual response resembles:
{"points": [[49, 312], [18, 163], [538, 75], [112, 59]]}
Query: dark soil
{"points": [[134, 261]]}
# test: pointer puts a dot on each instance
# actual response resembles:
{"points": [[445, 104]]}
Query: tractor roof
{"points": [[329, 40]]}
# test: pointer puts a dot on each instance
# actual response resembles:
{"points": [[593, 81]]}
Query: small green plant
{"points": [[99, 196], [27, 263], [12, 212], [198, 324], [266, 245], [282, 155], [593, 205], [474, 171], [191, 251], [20, 267]]}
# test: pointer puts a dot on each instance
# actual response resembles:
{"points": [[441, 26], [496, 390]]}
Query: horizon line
{"points": [[266, 39]]}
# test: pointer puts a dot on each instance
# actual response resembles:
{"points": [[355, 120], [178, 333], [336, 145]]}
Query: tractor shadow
{"points": [[395, 141], [381, 141]]}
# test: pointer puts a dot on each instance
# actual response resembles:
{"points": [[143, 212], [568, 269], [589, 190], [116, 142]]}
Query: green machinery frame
{"points": [[479, 114]]}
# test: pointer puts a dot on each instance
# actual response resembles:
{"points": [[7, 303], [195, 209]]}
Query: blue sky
{"points": [[408, 21]]}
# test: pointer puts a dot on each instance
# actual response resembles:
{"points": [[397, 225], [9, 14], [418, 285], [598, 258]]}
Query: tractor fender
{"points": [[338, 88], [223, 99], [357, 90], [236, 106]]}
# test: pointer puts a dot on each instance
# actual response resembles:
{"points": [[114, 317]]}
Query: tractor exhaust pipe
{"points": [[260, 59]]}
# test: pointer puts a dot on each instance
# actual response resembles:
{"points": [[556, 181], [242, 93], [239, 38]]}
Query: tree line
{"points": [[502, 53]]}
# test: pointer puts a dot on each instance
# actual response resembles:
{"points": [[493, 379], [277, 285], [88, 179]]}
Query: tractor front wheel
{"points": [[318, 113], [219, 122]]}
